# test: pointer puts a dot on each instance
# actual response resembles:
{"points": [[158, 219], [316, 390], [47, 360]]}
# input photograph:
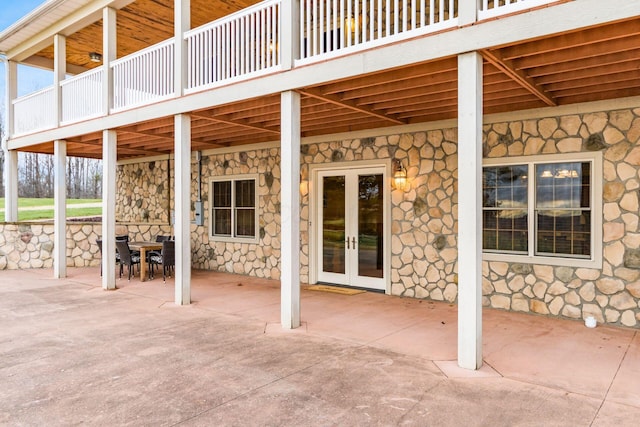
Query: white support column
{"points": [[60, 209], [10, 156], [182, 24], [109, 54], [468, 12], [11, 94], [290, 210], [59, 71], [109, 158], [290, 33], [470, 210], [11, 186], [182, 226]]}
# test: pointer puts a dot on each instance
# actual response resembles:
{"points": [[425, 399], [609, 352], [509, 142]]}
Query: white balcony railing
{"points": [[35, 112], [493, 8], [238, 45], [246, 44], [144, 77], [82, 96], [328, 26]]}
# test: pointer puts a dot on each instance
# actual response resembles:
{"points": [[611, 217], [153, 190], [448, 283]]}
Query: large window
{"points": [[542, 209], [233, 208]]}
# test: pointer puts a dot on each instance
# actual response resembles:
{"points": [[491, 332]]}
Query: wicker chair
{"points": [[166, 259], [99, 243], [127, 257]]}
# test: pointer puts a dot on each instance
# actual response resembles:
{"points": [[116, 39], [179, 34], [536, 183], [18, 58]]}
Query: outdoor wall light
{"points": [[95, 57], [399, 174]]}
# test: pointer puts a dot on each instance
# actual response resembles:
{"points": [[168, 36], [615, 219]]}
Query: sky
{"points": [[29, 79]]}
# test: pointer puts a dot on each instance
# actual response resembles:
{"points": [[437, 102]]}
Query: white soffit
{"points": [[46, 16]]}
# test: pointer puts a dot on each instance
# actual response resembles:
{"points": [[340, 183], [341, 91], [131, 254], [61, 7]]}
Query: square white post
{"points": [[109, 158], [10, 156], [109, 54], [468, 12], [182, 24], [470, 210], [60, 209], [59, 72], [182, 226], [11, 186], [290, 210], [289, 42]]}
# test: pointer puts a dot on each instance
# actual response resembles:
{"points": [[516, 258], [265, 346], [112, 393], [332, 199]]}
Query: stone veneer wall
{"points": [[144, 192], [260, 259], [424, 216], [30, 245]]}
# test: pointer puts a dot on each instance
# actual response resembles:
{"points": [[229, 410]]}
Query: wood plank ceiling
{"points": [[593, 64]]}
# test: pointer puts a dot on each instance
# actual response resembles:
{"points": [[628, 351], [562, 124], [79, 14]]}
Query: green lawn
{"points": [[29, 215], [24, 202]]}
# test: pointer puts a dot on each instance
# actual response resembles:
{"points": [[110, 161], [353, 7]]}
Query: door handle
{"points": [[348, 243], [354, 242]]}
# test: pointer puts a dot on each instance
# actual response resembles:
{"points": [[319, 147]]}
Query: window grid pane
{"points": [[233, 211], [563, 217], [505, 201]]}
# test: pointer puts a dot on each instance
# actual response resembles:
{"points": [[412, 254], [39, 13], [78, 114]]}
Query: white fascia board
{"points": [[71, 23], [557, 19]]}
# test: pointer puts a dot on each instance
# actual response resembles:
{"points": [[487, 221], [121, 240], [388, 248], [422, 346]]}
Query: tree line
{"points": [[36, 175]]}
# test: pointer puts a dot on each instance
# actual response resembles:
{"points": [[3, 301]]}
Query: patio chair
{"points": [[127, 257], [167, 259], [99, 243], [125, 237]]}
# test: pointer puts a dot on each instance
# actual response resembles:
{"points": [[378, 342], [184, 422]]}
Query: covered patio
{"points": [[561, 372]]}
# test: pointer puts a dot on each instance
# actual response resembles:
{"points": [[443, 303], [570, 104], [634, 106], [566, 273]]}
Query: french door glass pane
{"points": [[370, 225], [333, 224]]}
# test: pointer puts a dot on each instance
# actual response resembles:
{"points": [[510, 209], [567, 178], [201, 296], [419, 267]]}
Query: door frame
{"points": [[314, 170]]}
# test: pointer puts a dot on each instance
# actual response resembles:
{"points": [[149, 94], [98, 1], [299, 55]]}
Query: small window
{"points": [[233, 208], [542, 209]]}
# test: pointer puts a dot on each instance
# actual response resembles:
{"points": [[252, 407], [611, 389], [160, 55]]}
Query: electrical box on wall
{"points": [[199, 207]]}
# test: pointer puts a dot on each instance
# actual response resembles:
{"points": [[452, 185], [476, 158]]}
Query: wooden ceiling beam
{"points": [[333, 99], [220, 119], [572, 40], [585, 68], [518, 76], [619, 47], [630, 76]]}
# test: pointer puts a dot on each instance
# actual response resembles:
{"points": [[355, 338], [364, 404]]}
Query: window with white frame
{"points": [[543, 209], [234, 214]]}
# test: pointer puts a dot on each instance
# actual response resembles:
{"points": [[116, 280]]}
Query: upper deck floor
{"points": [[153, 62]]}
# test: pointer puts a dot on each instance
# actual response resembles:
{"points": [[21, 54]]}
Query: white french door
{"points": [[350, 221]]}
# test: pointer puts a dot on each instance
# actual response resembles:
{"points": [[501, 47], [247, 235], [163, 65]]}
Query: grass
{"points": [[42, 214], [26, 202]]}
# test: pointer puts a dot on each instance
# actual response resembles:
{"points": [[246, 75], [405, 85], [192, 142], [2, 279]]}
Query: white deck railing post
{"points": [[109, 54], [468, 11], [59, 73], [288, 40], [182, 20]]}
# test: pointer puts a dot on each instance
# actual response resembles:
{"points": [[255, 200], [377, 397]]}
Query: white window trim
{"points": [[233, 178], [595, 261]]}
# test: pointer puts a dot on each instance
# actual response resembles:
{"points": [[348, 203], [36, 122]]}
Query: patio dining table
{"points": [[143, 247]]}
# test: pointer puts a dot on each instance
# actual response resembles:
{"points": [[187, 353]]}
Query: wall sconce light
{"points": [[95, 57], [350, 24], [399, 174]]}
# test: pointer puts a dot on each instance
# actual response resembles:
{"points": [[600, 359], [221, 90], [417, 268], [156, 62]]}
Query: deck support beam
{"points": [[109, 158], [469, 210], [182, 226], [290, 210], [60, 209]]}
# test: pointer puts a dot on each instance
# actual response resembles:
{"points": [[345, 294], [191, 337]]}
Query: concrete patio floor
{"points": [[71, 353]]}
